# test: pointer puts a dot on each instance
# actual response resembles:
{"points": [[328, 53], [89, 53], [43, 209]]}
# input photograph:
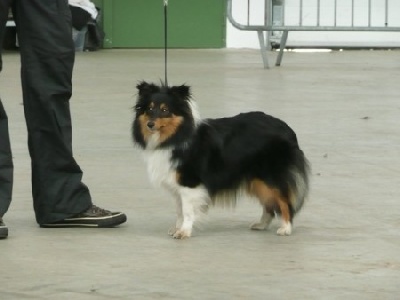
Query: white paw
{"points": [[182, 234], [286, 229], [259, 226]]}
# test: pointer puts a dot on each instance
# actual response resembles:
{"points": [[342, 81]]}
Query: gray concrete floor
{"points": [[345, 108]]}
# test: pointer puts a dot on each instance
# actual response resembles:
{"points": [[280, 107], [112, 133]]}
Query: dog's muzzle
{"points": [[151, 125]]}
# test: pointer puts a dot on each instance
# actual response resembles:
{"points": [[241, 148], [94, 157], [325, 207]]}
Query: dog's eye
{"points": [[164, 109]]}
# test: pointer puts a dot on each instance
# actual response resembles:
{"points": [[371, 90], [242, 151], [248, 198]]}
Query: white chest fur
{"points": [[160, 169]]}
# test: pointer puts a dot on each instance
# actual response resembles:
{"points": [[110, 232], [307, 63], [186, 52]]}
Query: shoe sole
{"points": [[89, 222]]}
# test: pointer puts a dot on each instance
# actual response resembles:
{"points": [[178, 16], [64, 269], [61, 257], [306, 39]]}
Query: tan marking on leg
{"points": [[265, 194], [271, 197], [286, 227], [284, 207]]}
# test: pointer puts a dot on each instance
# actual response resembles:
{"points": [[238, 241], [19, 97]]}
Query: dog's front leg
{"points": [[187, 216], [191, 199], [193, 203]]}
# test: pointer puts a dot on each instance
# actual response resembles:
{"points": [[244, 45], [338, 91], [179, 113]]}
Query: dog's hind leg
{"points": [[271, 198], [266, 218], [179, 216], [286, 219]]}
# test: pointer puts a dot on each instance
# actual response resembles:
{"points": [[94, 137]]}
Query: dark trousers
{"points": [[47, 59]]}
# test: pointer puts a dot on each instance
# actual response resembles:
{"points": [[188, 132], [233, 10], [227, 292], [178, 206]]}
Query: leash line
{"points": [[166, 41]]}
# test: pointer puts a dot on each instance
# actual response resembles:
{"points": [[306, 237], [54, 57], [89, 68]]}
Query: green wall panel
{"points": [[140, 23]]}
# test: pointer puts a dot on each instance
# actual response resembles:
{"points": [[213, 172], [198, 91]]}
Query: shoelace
{"points": [[95, 210]]}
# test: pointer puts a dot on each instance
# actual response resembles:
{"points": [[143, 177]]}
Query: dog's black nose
{"points": [[150, 124]]}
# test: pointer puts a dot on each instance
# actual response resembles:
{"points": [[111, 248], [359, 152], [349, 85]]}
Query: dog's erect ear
{"points": [[182, 91], [146, 88]]}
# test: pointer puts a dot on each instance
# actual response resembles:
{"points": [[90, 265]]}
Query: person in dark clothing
{"points": [[47, 52]]}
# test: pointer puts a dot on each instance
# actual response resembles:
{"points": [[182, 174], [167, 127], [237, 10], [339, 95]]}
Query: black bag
{"points": [[94, 36], [80, 17]]}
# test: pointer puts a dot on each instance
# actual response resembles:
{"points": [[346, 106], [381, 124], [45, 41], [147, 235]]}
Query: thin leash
{"points": [[166, 41]]}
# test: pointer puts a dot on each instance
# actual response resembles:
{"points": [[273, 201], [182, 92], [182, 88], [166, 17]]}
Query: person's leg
{"points": [[6, 164], [6, 170], [4, 8], [47, 57]]}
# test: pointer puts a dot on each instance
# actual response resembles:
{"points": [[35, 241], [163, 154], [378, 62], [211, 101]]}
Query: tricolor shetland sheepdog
{"points": [[212, 161]]}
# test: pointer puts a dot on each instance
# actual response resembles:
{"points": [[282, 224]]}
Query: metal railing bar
{"points": [[248, 12], [335, 12], [369, 12], [387, 13], [301, 13], [271, 27]]}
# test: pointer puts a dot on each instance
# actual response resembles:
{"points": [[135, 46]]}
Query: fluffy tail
{"points": [[299, 182]]}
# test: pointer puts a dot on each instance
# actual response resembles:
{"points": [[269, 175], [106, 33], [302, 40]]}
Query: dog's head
{"points": [[164, 115]]}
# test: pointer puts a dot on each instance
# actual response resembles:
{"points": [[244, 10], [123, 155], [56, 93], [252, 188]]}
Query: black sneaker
{"points": [[3, 229], [95, 217]]}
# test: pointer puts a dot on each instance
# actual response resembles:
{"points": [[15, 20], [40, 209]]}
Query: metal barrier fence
{"points": [[342, 18]]}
